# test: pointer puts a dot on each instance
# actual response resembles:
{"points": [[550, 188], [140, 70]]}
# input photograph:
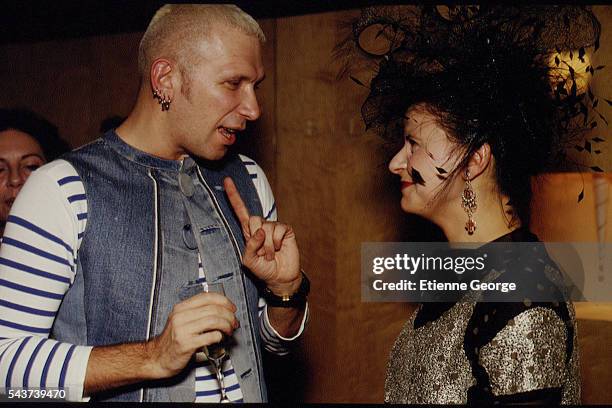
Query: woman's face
{"points": [[20, 155], [423, 163]]}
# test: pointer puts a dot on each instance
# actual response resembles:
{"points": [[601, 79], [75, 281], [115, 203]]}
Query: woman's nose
{"points": [[399, 162], [16, 177]]}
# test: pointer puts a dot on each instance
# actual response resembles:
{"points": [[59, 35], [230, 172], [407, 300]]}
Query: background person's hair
{"points": [[485, 74], [175, 32], [39, 128], [111, 122]]}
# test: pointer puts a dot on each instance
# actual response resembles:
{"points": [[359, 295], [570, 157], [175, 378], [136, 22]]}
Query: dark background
{"points": [[26, 21]]}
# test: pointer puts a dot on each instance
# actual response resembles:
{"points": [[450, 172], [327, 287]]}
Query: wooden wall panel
{"points": [[368, 198], [74, 83], [305, 171]]}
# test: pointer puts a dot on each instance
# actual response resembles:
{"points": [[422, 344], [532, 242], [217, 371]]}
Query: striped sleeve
{"points": [[37, 267], [264, 191], [272, 340]]}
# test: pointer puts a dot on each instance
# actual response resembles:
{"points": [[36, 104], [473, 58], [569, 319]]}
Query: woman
{"points": [[469, 89], [507, 352], [27, 141]]}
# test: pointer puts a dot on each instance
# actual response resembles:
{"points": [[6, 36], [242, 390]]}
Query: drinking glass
{"points": [[216, 353]]}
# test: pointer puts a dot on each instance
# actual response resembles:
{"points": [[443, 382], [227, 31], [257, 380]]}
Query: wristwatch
{"points": [[298, 299]]}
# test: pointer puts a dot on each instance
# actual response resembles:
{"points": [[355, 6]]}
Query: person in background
{"points": [[27, 141]]}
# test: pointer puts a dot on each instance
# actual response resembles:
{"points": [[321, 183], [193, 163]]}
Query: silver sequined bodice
{"points": [[429, 364]]}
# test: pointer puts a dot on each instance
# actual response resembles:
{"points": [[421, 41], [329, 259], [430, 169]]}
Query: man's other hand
{"points": [[199, 321]]}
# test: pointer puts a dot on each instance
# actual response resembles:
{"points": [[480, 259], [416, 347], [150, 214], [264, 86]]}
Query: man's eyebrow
{"points": [[261, 80], [246, 78]]}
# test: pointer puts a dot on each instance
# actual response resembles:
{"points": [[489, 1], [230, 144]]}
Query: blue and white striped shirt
{"points": [[37, 267]]}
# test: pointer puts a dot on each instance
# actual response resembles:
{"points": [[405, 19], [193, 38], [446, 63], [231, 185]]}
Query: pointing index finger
{"points": [[238, 205]]}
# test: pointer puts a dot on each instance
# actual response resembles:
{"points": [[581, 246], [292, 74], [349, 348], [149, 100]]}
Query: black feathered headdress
{"points": [[486, 65], [492, 74]]}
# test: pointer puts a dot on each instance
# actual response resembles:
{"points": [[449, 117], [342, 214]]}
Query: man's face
{"points": [[218, 96]]}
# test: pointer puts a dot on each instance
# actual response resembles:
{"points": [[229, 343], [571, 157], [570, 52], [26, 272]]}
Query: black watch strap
{"points": [[298, 299]]}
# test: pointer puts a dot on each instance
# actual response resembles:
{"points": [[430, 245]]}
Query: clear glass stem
{"points": [[216, 353], [217, 364]]}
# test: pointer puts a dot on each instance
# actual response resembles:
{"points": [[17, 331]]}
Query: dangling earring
{"points": [[468, 202], [162, 100], [165, 104]]}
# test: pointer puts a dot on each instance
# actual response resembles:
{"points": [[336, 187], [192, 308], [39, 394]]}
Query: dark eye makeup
{"points": [[416, 177]]}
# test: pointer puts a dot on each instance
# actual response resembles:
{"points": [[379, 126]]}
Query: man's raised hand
{"points": [[271, 251]]}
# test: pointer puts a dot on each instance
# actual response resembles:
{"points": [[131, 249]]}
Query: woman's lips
{"points": [[406, 184]]}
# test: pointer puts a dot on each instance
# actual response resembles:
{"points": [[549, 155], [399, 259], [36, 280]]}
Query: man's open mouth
{"points": [[228, 133]]}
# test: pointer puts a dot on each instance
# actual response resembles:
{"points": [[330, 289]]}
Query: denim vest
{"points": [[148, 219]]}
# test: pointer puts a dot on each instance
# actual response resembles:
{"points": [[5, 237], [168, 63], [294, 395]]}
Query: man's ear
{"points": [[161, 78], [479, 161]]}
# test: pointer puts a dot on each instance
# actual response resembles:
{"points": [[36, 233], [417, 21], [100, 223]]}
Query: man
{"points": [[110, 246]]}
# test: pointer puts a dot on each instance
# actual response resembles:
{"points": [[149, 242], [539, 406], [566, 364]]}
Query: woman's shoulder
{"points": [[515, 326], [489, 319], [522, 347]]}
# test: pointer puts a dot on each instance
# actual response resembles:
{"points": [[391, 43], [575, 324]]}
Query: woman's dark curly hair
{"points": [[43, 131], [485, 75]]}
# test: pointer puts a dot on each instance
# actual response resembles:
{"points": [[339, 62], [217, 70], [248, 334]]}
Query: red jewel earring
{"points": [[468, 202]]}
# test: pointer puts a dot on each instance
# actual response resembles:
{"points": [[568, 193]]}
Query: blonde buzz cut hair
{"points": [[175, 30]]}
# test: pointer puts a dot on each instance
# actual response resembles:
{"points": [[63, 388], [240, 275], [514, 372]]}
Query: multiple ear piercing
{"points": [[163, 100], [468, 202]]}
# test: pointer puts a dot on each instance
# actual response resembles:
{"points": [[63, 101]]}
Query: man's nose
{"points": [[250, 107]]}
